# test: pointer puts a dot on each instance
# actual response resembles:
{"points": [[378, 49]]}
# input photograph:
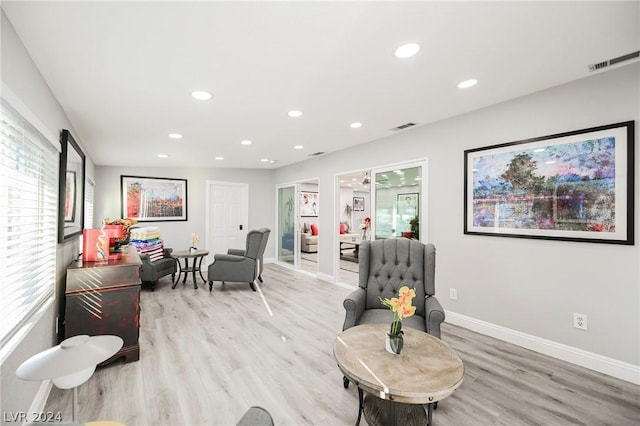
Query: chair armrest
{"points": [[167, 252], [228, 258], [237, 252], [434, 315], [354, 305], [145, 258]]}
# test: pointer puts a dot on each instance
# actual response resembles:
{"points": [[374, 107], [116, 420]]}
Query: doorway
{"points": [[297, 210], [227, 216], [353, 214]]}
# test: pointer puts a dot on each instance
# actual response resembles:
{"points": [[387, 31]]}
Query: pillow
{"points": [[305, 227], [346, 228], [314, 229], [342, 228]]}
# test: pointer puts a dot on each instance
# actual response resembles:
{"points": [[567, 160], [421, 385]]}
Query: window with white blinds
{"points": [[88, 204], [28, 214]]}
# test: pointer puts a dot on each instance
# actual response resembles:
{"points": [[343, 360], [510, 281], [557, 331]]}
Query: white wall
{"points": [[528, 286], [176, 234], [25, 82]]}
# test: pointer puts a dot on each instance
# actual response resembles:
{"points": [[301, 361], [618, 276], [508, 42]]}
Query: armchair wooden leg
{"points": [[345, 382], [210, 286], [260, 278], [253, 287]]}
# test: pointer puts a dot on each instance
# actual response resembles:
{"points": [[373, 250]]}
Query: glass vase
{"points": [[394, 344]]}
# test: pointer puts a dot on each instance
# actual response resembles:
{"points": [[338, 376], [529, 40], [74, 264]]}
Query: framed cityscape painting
{"points": [[150, 199], [574, 186]]}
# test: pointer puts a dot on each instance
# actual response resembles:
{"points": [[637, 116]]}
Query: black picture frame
{"points": [[572, 186], [166, 198], [358, 204], [70, 193]]}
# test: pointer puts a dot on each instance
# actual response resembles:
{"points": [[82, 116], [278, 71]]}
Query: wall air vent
{"points": [[315, 154], [403, 126], [614, 61]]}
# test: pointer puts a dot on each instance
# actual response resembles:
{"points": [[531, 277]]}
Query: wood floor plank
{"points": [[206, 357]]}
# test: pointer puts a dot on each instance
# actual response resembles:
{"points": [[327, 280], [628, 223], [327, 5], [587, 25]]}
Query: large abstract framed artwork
{"points": [[309, 204], [574, 186], [151, 199], [71, 188]]}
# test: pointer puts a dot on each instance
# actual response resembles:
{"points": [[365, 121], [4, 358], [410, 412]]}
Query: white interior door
{"points": [[227, 216]]}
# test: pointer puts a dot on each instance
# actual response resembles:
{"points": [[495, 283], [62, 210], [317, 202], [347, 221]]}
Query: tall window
{"points": [[28, 221]]}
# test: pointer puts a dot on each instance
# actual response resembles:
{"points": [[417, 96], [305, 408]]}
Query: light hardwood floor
{"points": [[206, 357]]}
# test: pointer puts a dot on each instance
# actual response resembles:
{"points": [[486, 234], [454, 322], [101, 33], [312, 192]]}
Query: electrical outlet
{"points": [[580, 321], [453, 293]]}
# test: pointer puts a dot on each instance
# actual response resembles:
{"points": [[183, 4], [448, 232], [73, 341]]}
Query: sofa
{"points": [[308, 241], [309, 236]]}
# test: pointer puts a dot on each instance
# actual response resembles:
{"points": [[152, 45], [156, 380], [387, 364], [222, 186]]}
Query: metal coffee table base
{"points": [[381, 412]]}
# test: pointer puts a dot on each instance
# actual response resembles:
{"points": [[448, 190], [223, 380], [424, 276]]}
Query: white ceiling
{"points": [[124, 71]]}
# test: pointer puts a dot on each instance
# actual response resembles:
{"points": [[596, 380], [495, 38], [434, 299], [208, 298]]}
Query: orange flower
{"points": [[401, 307]]}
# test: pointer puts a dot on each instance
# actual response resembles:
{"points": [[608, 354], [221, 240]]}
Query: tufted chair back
{"points": [[386, 265]]}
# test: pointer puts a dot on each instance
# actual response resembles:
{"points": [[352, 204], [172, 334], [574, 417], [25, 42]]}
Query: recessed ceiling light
{"points": [[219, 158], [407, 50], [175, 135], [467, 83], [264, 160], [294, 113], [539, 150], [272, 161], [162, 155], [245, 142], [355, 125], [298, 147], [201, 95]]}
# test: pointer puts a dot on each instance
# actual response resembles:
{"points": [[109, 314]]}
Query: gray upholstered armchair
{"points": [[152, 271], [241, 265], [385, 266]]}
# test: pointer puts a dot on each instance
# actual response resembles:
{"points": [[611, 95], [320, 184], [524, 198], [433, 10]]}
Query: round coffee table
{"points": [[197, 256], [397, 386]]}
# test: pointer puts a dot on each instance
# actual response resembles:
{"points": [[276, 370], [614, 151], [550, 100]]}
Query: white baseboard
{"points": [[40, 400], [269, 260], [612, 367]]}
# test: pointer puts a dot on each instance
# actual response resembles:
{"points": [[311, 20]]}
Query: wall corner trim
{"points": [[609, 366]]}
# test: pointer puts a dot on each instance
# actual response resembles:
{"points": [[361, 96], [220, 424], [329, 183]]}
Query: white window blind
{"points": [[88, 204], [28, 221]]}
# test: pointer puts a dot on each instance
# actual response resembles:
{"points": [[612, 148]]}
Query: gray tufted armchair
{"points": [[385, 266]]}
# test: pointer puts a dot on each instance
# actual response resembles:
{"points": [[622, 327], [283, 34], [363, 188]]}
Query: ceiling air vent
{"points": [[604, 64], [315, 154], [403, 126]]}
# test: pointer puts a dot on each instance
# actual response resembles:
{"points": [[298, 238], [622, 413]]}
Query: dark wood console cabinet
{"points": [[104, 298]]}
